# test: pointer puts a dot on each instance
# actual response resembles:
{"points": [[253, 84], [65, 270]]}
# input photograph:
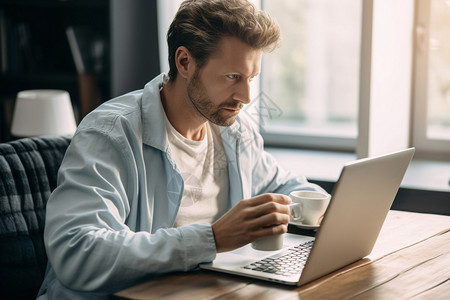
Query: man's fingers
{"points": [[263, 215], [269, 220], [263, 209], [267, 198], [272, 230]]}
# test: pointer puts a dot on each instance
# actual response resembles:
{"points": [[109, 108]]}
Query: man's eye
{"points": [[233, 76]]}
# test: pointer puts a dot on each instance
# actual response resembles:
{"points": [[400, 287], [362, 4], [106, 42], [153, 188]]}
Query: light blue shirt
{"points": [[109, 223]]}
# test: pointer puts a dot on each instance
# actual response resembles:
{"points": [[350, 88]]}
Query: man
{"points": [[161, 179]]}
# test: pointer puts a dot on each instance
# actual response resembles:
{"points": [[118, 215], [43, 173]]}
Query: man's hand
{"points": [[251, 219]]}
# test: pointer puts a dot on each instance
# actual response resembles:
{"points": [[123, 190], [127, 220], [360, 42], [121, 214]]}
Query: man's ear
{"points": [[184, 62]]}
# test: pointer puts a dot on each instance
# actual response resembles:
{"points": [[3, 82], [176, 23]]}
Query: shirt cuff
{"points": [[200, 244]]}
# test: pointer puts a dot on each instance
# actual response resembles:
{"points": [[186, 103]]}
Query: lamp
{"points": [[43, 112]]}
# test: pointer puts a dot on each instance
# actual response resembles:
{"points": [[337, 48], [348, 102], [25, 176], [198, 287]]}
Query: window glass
{"points": [[438, 90], [312, 81]]}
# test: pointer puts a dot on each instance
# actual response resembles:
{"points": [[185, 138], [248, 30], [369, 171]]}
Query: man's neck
{"points": [[180, 112]]}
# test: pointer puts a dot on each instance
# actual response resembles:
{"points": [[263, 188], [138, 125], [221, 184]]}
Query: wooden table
{"points": [[411, 260]]}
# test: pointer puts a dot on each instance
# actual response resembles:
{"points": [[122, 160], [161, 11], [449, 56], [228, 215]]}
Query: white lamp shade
{"points": [[43, 112]]}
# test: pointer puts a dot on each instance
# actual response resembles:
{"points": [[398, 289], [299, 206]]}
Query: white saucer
{"points": [[305, 226]]}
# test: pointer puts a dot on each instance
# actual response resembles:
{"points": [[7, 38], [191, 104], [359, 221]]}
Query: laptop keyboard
{"points": [[287, 263]]}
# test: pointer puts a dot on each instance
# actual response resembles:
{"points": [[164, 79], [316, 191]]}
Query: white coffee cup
{"points": [[308, 207], [270, 243]]}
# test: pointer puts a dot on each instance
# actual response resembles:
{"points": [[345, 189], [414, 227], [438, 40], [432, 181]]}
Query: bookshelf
{"points": [[36, 53]]}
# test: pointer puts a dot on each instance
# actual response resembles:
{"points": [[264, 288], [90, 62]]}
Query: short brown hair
{"points": [[200, 24]]}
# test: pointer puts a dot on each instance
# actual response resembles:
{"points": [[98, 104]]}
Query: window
{"points": [[432, 76], [313, 79], [166, 13], [348, 76]]}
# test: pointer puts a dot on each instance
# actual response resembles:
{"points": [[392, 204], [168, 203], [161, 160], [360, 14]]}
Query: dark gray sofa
{"points": [[28, 171]]}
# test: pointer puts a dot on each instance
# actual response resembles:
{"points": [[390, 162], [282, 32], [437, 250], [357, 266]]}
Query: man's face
{"points": [[221, 87]]}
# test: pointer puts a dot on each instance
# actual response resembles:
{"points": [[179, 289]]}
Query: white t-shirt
{"points": [[203, 166]]}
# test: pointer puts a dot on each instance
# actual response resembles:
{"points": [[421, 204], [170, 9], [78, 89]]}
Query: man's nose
{"points": [[242, 93]]}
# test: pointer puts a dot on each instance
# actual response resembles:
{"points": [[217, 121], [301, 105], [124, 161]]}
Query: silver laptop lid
{"points": [[360, 202]]}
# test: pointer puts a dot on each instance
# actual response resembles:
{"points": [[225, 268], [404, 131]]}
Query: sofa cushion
{"points": [[28, 171]]}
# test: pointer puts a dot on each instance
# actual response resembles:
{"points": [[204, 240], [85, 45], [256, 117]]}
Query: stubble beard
{"points": [[197, 95]]}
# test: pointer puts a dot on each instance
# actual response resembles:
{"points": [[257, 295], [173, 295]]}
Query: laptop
{"points": [[360, 202]]}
